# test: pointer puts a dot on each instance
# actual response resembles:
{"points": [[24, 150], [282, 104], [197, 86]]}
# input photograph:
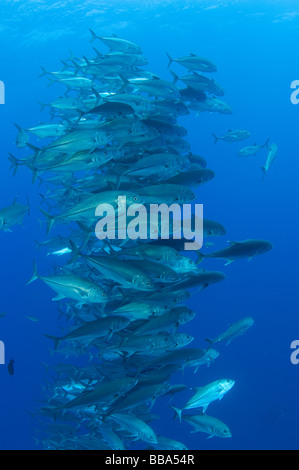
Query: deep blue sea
{"points": [[254, 44]]}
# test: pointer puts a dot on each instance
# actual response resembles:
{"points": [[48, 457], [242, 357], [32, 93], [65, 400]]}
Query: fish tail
{"points": [[28, 203], [34, 276], [75, 252], [98, 53], [170, 60], [77, 67], [93, 35], [37, 244], [50, 220], [175, 77], [51, 81], [42, 106], [200, 257], [18, 127], [55, 339], [65, 65], [43, 198], [35, 149], [14, 164], [88, 63], [178, 412], [210, 341], [216, 138], [44, 72]]}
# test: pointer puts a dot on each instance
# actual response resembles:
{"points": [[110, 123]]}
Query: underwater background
{"points": [[253, 44]]}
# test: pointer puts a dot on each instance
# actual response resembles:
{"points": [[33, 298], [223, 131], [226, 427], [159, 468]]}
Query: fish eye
{"points": [[136, 198]]}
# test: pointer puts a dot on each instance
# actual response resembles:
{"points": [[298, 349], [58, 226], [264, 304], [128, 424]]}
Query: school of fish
{"points": [[113, 133]]}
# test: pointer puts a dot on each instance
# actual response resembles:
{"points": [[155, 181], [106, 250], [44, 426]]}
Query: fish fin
{"points": [[58, 297], [93, 35], [230, 261], [34, 276], [50, 220], [97, 95], [170, 60], [234, 243], [210, 437], [35, 149], [14, 163], [267, 143], [264, 172], [178, 412], [216, 138], [55, 339]]}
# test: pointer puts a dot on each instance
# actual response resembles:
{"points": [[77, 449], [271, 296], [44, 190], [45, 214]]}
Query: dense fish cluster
{"points": [[115, 133]]}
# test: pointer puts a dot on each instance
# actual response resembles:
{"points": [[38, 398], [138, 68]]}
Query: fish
{"points": [[252, 150], [200, 83], [103, 327], [13, 215], [208, 424], [33, 319], [135, 426], [211, 105], [272, 154], [118, 44], [102, 391], [11, 367], [238, 250], [233, 136], [204, 396], [194, 62], [72, 287], [169, 444], [234, 330], [22, 137]]}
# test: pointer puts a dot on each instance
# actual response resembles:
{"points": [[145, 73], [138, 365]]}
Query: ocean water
{"points": [[253, 44]]}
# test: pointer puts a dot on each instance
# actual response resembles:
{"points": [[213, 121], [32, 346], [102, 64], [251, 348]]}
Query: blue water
{"points": [[253, 44]]}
